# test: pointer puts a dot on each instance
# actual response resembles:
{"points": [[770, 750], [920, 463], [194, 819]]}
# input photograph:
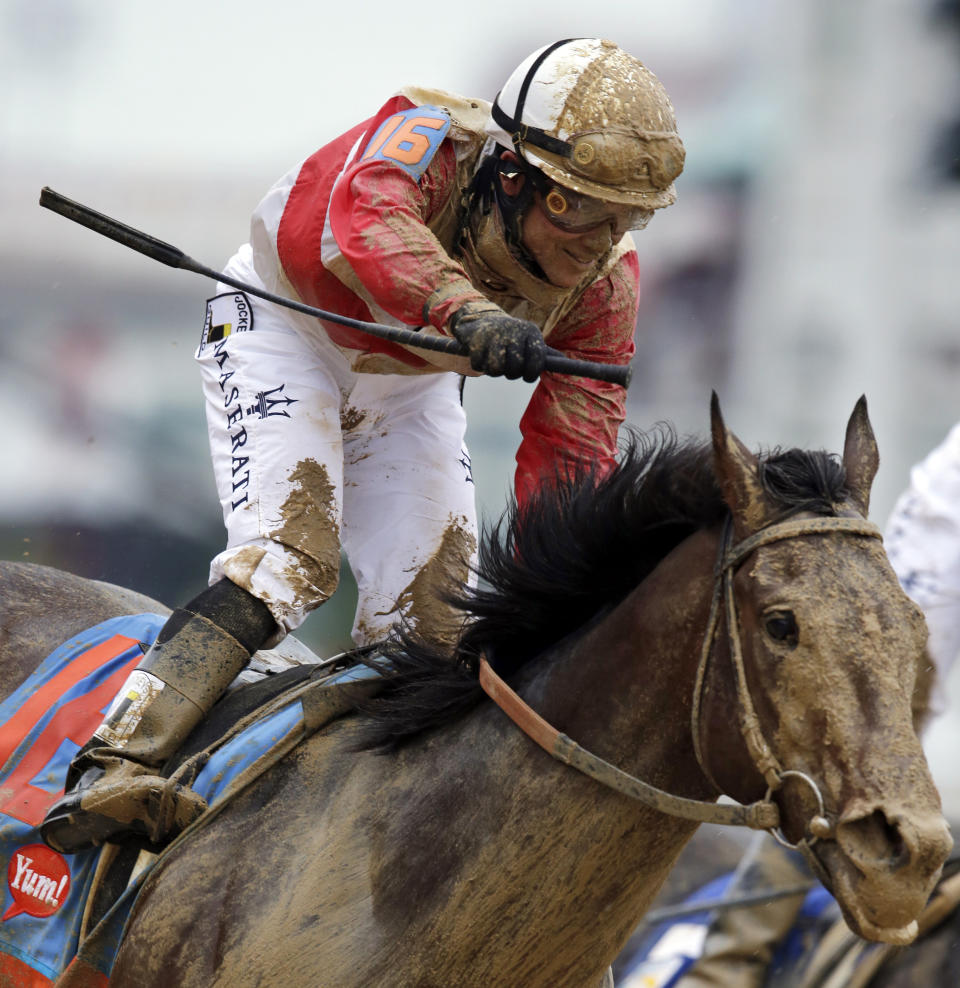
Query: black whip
{"points": [[175, 258]]}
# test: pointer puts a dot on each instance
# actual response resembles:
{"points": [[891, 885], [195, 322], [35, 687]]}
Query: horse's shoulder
{"points": [[32, 588], [41, 607]]}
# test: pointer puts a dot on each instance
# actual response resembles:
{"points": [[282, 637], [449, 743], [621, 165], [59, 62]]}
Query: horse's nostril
{"points": [[899, 855], [877, 840]]}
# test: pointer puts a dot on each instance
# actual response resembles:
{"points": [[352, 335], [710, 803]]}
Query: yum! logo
{"points": [[39, 881]]}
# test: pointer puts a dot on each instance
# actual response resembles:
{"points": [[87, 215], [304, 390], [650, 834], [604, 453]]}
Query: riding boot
{"points": [[114, 788]]}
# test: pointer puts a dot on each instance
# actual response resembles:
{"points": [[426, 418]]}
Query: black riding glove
{"points": [[499, 344]]}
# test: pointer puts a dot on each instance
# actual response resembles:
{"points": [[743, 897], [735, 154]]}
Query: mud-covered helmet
{"points": [[594, 119]]}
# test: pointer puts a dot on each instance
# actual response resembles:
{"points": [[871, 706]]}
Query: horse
{"points": [[700, 622]]}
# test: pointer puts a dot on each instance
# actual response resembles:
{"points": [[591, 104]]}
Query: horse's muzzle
{"points": [[883, 866]]}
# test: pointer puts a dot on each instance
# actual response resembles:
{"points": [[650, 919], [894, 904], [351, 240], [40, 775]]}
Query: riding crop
{"points": [[175, 258]]}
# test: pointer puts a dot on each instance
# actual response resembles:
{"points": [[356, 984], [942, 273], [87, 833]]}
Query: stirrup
{"points": [[146, 809]]}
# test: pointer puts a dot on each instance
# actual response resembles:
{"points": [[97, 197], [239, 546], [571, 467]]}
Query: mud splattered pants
{"points": [[310, 456]]}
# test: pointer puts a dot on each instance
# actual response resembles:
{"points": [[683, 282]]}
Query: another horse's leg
{"points": [[113, 787]]}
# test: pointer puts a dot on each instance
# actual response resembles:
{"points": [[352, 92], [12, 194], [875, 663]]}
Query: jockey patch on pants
{"points": [[226, 315]]}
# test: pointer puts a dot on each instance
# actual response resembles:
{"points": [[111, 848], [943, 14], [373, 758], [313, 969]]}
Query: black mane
{"points": [[575, 550]]}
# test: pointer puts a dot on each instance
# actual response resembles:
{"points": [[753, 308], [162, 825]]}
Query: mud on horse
{"points": [[703, 620]]}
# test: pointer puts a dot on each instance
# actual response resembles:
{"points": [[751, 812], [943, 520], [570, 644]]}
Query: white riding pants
{"points": [[310, 456]]}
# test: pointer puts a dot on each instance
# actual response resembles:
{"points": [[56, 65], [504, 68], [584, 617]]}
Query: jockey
{"points": [[500, 226]]}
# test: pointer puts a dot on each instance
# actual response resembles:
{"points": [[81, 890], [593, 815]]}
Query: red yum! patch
{"points": [[39, 881]]}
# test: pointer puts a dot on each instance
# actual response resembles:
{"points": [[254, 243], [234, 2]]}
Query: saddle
{"points": [[65, 914]]}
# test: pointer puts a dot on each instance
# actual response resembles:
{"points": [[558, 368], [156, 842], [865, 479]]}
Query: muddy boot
{"points": [[114, 789]]}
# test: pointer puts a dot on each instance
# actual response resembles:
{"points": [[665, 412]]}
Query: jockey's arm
{"points": [[573, 422], [379, 217]]}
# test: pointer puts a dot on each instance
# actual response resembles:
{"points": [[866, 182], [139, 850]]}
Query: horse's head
{"points": [[831, 648]]}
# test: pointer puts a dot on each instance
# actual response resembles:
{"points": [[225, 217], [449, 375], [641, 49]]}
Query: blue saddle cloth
{"points": [[42, 726]]}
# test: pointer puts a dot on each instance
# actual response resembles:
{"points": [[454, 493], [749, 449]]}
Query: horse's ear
{"points": [[736, 470], [860, 456]]}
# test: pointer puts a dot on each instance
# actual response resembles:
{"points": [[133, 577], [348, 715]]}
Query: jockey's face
{"points": [[565, 256]]}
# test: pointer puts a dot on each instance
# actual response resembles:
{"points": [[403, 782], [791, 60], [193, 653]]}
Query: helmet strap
{"points": [[487, 188], [514, 207], [520, 133]]}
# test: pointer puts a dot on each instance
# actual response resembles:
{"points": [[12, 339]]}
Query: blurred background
{"points": [[812, 255]]}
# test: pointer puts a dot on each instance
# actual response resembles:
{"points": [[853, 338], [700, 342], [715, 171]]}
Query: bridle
{"points": [[761, 815]]}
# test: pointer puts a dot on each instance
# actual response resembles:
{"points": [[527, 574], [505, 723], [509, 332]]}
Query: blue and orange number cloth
{"points": [[42, 726]]}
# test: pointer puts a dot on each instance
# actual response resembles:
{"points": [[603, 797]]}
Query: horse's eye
{"points": [[782, 627]]}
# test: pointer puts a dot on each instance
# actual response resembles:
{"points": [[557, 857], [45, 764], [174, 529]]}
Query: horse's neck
{"points": [[559, 849], [624, 689]]}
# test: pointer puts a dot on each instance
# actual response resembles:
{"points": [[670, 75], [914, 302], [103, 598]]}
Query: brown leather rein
{"points": [[761, 815]]}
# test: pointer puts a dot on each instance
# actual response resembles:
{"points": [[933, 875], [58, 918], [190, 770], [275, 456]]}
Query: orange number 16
{"points": [[399, 138]]}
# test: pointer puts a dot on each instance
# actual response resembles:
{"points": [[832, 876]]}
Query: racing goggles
{"points": [[576, 213]]}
